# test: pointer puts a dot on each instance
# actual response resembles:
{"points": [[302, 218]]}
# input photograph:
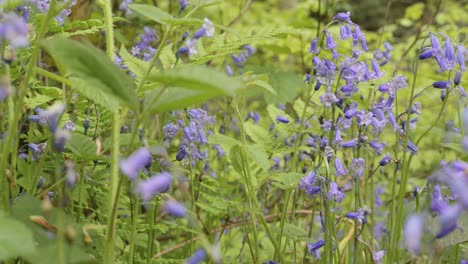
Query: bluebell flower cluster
{"points": [[190, 48]]}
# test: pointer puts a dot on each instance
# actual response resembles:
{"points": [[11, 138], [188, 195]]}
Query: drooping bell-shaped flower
{"points": [[136, 162], [147, 189]]}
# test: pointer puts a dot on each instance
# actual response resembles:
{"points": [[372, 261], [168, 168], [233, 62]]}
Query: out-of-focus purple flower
{"points": [[438, 203], [70, 175], [136, 162], [346, 32], [313, 46], [183, 4], [328, 99], [170, 130], [190, 48], [282, 119], [377, 256], [343, 16], [207, 30], [457, 78], [61, 137], [378, 200], [308, 184], [124, 7], [461, 51], [448, 220], [353, 143], [14, 30], [335, 193], [360, 215], [175, 209], [358, 166], [254, 116], [181, 153], [313, 248], [69, 125], [149, 188], [412, 147], [378, 147], [364, 119], [229, 70], [51, 116], [413, 232], [197, 257]]}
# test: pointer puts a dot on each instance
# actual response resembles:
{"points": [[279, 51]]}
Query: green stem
{"points": [[109, 253]]}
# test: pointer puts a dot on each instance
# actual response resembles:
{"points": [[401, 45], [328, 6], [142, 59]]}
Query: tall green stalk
{"points": [[109, 253]]}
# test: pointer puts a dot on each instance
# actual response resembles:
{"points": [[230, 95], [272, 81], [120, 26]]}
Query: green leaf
{"points": [[258, 134], [264, 85], [174, 98], [167, 57], [226, 142], [16, 240], [198, 78], [153, 13], [82, 146], [287, 180], [236, 158], [259, 155], [89, 66], [293, 232], [455, 146]]}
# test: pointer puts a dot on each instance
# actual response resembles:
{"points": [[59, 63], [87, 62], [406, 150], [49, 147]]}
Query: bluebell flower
{"points": [[360, 215], [364, 119], [343, 16], [51, 116], [385, 160], [377, 199], [413, 232], [69, 125], [254, 116], [207, 30], [326, 125], [229, 70], [346, 32], [438, 202], [353, 143], [183, 4], [328, 99], [340, 168], [14, 30], [412, 147], [282, 119], [378, 147], [313, 248], [457, 78], [147, 189], [170, 131], [61, 137], [190, 48], [448, 220], [71, 176], [175, 208], [427, 54], [330, 42], [136, 162], [335, 193], [377, 256], [124, 7], [308, 184], [197, 257], [313, 46], [441, 84], [461, 51], [358, 166]]}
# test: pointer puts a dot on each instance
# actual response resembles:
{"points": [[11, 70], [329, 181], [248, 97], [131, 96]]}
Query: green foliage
{"points": [[16, 240], [92, 73]]}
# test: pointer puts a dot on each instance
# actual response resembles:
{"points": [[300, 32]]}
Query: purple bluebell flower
{"points": [[61, 137], [69, 125], [449, 53], [175, 209], [190, 48], [441, 84], [448, 220], [249, 49], [229, 70], [353, 143], [352, 111], [207, 30], [413, 232], [438, 202], [170, 131], [343, 16], [124, 7], [51, 116], [181, 153], [313, 46], [358, 166], [426, 54], [457, 78], [136, 162], [326, 125], [364, 119], [220, 150], [461, 52], [308, 184], [435, 42], [254, 116], [346, 32], [328, 151], [378, 147], [377, 256], [340, 168], [328, 99], [71, 176], [412, 147], [360, 215], [376, 69], [282, 119], [197, 257], [313, 248], [330, 42], [14, 30], [147, 189], [335, 193], [385, 160], [183, 4]]}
